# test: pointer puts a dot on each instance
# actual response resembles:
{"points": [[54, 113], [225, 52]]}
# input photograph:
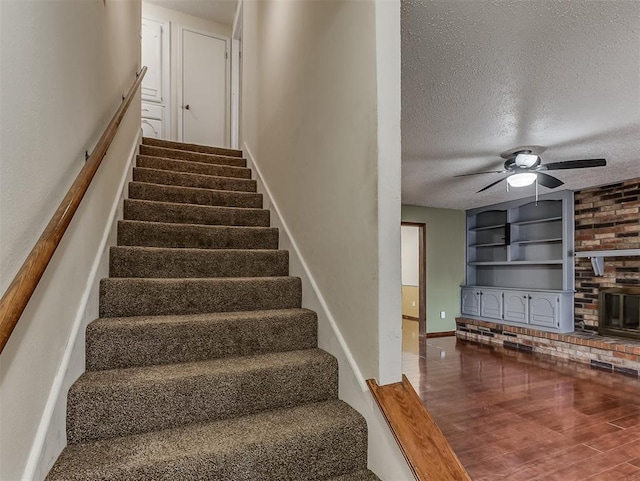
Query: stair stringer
{"points": [[384, 457], [51, 438]]}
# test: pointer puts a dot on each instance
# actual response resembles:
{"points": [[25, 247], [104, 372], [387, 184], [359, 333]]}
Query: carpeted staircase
{"points": [[203, 365]]}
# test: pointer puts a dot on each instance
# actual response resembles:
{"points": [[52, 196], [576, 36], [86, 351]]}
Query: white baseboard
{"points": [[384, 456], [50, 437]]}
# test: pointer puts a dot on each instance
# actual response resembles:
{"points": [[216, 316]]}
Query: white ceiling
{"points": [[221, 11], [483, 76]]}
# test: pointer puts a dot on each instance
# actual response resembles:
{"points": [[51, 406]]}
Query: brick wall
{"points": [[606, 218]]}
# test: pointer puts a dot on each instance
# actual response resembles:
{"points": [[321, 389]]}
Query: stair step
{"points": [[168, 153], [192, 167], [168, 212], [185, 179], [113, 403], [156, 234], [131, 261], [116, 343], [192, 147], [313, 441], [191, 195], [362, 475], [125, 297]]}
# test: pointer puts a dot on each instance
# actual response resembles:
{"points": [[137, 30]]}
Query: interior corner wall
{"points": [[309, 117], [445, 252], [65, 66], [175, 19]]}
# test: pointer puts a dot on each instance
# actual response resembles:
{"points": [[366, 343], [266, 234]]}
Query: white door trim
{"points": [[236, 87], [179, 104]]}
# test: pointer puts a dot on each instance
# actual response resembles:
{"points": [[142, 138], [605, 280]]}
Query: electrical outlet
{"points": [[413, 303], [442, 315]]}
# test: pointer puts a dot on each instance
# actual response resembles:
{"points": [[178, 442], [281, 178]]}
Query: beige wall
{"points": [[310, 120], [65, 65], [445, 253], [176, 19], [410, 301]]}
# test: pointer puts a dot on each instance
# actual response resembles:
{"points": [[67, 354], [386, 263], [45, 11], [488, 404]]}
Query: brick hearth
{"points": [[606, 353]]}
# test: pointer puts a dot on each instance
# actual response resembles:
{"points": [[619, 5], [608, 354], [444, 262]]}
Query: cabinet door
{"points": [[544, 309], [491, 304], [516, 306], [470, 302]]}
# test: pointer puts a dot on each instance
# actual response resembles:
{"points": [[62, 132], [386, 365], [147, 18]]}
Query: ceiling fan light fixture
{"points": [[526, 159], [521, 179]]}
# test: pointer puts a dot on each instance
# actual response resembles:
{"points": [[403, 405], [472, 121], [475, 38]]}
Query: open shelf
{"points": [[537, 241], [488, 227], [525, 245], [517, 263], [537, 221]]}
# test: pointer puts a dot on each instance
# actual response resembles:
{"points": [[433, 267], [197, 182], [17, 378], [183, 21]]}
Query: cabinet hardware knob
{"points": [[187, 107]]}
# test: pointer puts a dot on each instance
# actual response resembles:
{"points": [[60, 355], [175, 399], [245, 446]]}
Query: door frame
{"points": [[236, 78], [180, 73], [422, 285]]}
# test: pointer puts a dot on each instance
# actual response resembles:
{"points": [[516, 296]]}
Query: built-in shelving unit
{"points": [[522, 247]]}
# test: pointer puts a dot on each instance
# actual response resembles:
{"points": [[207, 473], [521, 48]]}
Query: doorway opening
{"points": [[414, 276]]}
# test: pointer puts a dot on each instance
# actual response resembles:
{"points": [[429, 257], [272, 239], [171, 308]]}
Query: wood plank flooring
{"points": [[521, 417]]}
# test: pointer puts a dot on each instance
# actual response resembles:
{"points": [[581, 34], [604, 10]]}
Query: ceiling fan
{"points": [[524, 166]]}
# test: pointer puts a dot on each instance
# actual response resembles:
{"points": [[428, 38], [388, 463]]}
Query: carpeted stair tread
{"points": [[157, 234], [125, 297], [186, 179], [363, 475], [203, 364], [169, 212], [114, 343], [131, 261], [278, 445], [193, 195], [192, 167], [113, 403], [180, 154], [207, 149]]}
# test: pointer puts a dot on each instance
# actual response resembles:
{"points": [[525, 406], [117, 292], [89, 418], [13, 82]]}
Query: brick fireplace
{"points": [[606, 218]]}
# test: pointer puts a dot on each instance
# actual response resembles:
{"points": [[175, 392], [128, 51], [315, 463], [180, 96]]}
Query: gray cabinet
{"points": [[516, 306], [491, 304], [545, 309], [470, 299], [522, 248]]}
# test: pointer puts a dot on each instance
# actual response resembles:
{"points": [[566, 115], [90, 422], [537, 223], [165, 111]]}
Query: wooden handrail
{"points": [[21, 289], [423, 445]]}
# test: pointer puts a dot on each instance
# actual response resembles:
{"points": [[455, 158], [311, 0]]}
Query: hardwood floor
{"points": [[520, 417]]}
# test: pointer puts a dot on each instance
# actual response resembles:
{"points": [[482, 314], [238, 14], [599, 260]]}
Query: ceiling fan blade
{"points": [[549, 181], [478, 173], [575, 164], [490, 185]]}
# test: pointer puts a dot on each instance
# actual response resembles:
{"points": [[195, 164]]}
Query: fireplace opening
{"points": [[619, 312]]}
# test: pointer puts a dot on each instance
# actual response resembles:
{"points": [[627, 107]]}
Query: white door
{"points": [[155, 85], [152, 58], [205, 105]]}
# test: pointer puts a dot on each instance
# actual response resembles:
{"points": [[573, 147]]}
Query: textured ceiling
{"points": [[480, 77], [221, 11]]}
